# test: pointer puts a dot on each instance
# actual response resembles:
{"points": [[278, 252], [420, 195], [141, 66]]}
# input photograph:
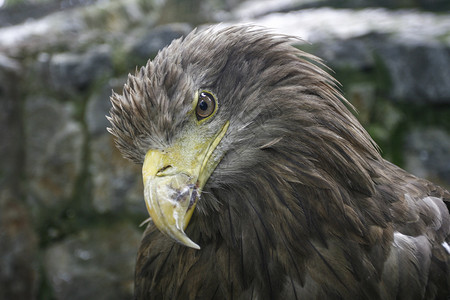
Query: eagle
{"points": [[261, 183]]}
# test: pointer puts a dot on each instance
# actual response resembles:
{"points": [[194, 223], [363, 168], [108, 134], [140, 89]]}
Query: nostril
{"points": [[163, 169]]}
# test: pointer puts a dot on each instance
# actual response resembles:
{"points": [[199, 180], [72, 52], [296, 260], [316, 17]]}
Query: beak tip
{"points": [[196, 247], [186, 241]]}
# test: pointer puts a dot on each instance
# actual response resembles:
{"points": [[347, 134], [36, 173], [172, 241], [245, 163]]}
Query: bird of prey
{"points": [[261, 184]]}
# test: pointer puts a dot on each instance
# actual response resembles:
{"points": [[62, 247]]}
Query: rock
{"points": [[18, 240], [8, 64], [416, 54], [70, 72], [98, 107], [77, 28], [117, 183], [18, 250], [54, 151], [11, 133], [255, 8], [419, 73], [24, 10], [427, 155], [147, 46], [327, 24], [98, 263], [439, 5], [353, 53]]}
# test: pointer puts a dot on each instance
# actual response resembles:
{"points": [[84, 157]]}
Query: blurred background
{"points": [[70, 206]]}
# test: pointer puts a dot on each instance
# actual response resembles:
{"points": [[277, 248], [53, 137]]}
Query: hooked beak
{"points": [[173, 181]]}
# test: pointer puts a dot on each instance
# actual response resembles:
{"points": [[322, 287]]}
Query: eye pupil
{"points": [[206, 105], [203, 105]]}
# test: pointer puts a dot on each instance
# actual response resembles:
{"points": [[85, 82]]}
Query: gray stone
{"points": [[419, 73], [11, 137], [97, 263], [9, 64], [18, 250], [353, 53], [18, 241], [77, 72], [98, 107], [322, 24], [54, 151], [117, 183], [77, 28], [152, 41], [427, 155], [255, 8], [414, 47]]}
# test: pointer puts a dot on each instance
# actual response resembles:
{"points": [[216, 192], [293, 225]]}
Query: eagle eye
{"points": [[206, 105]]}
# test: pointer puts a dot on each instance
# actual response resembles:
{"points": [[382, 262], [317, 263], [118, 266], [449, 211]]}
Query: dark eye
{"points": [[206, 105]]}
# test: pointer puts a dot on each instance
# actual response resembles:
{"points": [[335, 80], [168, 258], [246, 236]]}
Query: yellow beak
{"points": [[173, 181]]}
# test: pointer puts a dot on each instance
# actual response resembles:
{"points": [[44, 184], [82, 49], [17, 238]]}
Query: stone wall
{"points": [[70, 205]]}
